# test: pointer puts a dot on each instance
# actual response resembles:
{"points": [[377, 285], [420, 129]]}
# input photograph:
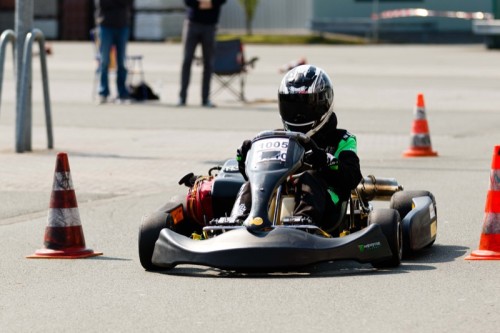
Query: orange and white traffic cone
{"points": [[420, 144], [489, 245], [64, 234]]}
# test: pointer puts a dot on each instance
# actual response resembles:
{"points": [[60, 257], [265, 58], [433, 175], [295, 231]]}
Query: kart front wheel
{"points": [[150, 229], [403, 202], [390, 222]]}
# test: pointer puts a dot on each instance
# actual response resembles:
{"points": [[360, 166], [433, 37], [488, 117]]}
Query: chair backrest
{"points": [[228, 58]]}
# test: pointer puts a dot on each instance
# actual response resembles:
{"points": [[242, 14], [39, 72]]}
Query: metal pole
{"points": [[24, 141], [23, 25], [6, 37], [375, 19]]}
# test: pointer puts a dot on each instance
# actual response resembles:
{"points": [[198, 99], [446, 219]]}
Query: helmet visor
{"points": [[299, 112]]}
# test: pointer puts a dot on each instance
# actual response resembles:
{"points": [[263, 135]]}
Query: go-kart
{"points": [[197, 228]]}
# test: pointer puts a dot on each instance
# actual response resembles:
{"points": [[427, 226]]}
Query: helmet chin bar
{"points": [[323, 121], [295, 127]]}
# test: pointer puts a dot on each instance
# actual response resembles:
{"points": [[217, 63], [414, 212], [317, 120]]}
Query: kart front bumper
{"points": [[281, 248]]}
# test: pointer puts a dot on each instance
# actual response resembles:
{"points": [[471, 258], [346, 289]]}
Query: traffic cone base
{"points": [[63, 254], [64, 243], [419, 152], [64, 234], [488, 241], [483, 255]]}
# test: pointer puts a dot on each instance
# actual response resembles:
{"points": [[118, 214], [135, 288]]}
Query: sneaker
{"points": [[208, 105], [123, 100], [102, 99], [181, 103]]}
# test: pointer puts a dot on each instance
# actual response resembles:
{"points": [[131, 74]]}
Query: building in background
{"points": [[276, 16], [158, 20], [445, 20], [154, 20]]}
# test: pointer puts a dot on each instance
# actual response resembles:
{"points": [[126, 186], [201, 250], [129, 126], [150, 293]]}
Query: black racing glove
{"points": [[241, 156], [332, 162], [317, 158]]}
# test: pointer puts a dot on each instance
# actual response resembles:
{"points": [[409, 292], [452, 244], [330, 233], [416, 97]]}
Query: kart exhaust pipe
{"points": [[371, 188]]}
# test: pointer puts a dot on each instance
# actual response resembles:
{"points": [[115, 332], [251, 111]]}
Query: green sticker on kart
{"points": [[369, 247]]}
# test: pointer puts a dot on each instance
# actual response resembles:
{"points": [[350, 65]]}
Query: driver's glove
{"points": [[332, 162], [317, 158], [241, 156]]}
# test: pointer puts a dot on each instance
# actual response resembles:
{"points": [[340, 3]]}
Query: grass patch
{"points": [[328, 39]]}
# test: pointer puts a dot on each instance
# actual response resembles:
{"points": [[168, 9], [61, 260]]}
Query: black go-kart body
{"points": [[196, 228]]}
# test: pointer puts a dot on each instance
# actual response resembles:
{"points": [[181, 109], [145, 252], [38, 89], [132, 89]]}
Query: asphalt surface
{"points": [[126, 160]]}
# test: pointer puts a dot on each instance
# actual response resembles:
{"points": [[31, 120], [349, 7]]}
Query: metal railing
{"points": [[8, 36], [24, 119], [23, 109]]}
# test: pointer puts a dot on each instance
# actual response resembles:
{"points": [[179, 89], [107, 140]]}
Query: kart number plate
{"points": [[273, 149]]}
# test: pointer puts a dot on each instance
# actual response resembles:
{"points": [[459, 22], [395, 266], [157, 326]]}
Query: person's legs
{"points": [[312, 199], [190, 38], [208, 47], [243, 203], [106, 41], [120, 38]]}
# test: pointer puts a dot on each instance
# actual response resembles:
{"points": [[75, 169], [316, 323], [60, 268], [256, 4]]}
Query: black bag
{"points": [[142, 92]]}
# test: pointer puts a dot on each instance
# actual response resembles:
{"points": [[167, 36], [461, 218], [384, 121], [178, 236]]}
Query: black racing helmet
{"points": [[305, 99]]}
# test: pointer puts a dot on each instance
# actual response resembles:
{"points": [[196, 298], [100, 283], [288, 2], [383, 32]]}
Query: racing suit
{"points": [[320, 191]]}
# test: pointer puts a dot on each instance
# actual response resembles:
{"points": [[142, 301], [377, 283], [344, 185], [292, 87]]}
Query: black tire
{"points": [[390, 222], [402, 202], [174, 202], [187, 226], [149, 232]]}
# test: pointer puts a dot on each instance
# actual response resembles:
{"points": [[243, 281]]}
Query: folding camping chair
{"points": [[133, 64], [229, 65]]}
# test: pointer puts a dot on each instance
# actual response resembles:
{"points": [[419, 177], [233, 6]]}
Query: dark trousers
{"points": [[194, 34], [117, 37], [311, 199]]}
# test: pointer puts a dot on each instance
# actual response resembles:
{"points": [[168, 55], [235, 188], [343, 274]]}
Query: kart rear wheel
{"points": [[390, 222], [150, 229], [402, 202]]}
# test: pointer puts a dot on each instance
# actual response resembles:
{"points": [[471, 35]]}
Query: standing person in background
{"points": [[112, 17], [200, 26]]}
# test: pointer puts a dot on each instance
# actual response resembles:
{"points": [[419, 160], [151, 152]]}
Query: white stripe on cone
{"points": [[62, 181], [64, 217]]}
